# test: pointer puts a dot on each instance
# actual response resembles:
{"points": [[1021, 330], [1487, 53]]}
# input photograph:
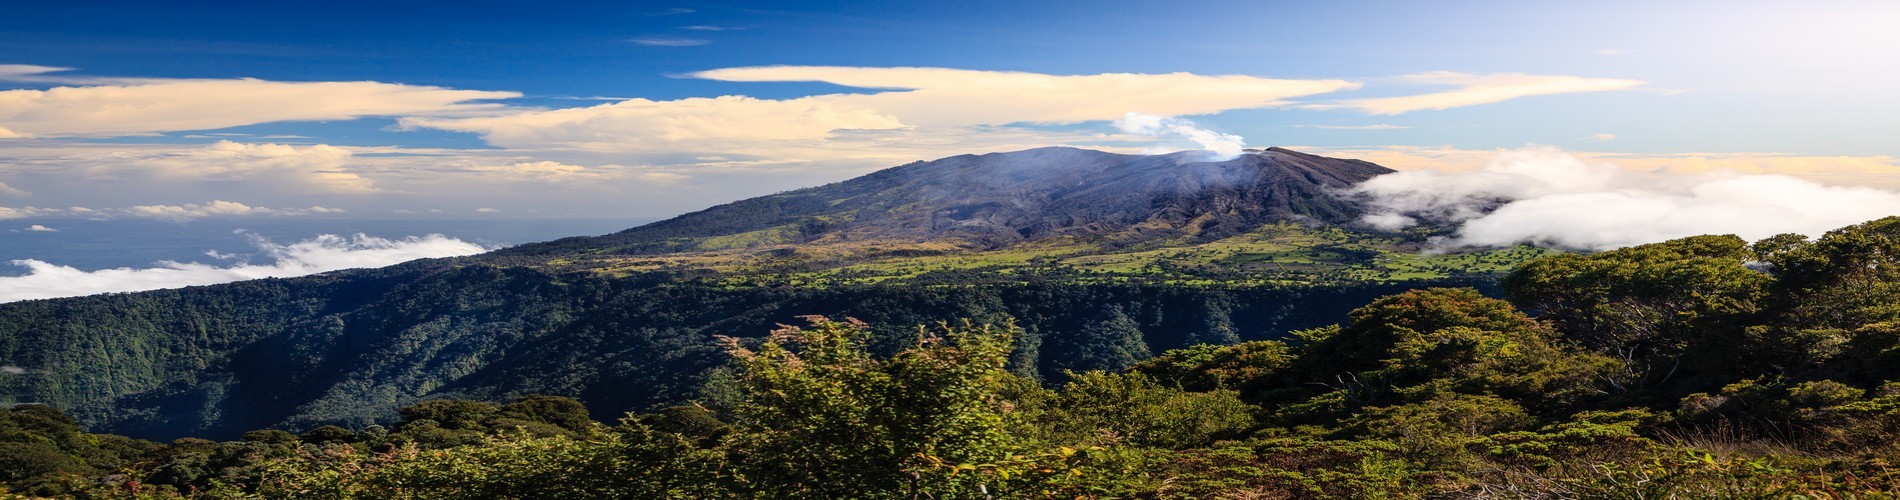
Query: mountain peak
{"points": [[995, 200]]}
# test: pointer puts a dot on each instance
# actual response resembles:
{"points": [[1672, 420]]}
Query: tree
{"points": [[1648, 305], [1111, 343], [1847, 278], [327, 434], [824, 418], [1413, 345], [451, 413], [559, 411]]}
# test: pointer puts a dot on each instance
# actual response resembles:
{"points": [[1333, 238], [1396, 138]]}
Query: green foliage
{"points": [[1111, 343], [1847, 278], [1100, 408], [1297, 468], [1647, 305], [1246, 366], [1410, 346], [1584, 438], [825, 418], [352, 349], [1440, 430]]}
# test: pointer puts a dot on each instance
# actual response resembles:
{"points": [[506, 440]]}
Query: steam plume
{"points": [[1225, 145]]}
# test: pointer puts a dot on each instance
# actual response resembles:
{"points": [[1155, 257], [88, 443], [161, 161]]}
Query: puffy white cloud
{"points": [[911, 99], [321, 254], [24, 212], [117, 107], [1481, 89], [557, 172], [1544, 195], [316, 168], [37, 228], [217, 208]]}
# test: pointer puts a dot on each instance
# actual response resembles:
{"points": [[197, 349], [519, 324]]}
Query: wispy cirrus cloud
{"points": [[121, 107], [181, 212], [1375, 126], [668, 41], [1475, 90], [671, 12]]}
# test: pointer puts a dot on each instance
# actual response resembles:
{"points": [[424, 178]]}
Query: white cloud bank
{"points": [[318, 168], [1543, 195], [119, 107], [321, 254], [907, 99]]}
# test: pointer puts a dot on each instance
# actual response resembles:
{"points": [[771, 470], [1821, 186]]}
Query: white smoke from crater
{"points": [[1542, 195], [1226, 146], [323, 253]]}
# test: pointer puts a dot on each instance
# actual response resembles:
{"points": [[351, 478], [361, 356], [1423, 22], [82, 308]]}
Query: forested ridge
{"points": [[1701, 367], [352, 348], [1102, 259]]}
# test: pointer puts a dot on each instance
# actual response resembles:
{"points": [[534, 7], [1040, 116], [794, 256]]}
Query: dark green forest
{"points": [[1701, 367], [352, 348]]}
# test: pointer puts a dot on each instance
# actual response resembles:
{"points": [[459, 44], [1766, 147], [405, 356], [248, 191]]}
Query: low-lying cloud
{"points": [[1546, 196], [323, 253], [1224, 145]]}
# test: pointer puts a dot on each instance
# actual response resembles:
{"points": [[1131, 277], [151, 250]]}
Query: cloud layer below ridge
{"points": [[323, 253], [1544, 195]]}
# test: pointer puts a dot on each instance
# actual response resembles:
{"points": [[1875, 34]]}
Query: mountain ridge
{"points": [[995, 200], [1102, 258]]}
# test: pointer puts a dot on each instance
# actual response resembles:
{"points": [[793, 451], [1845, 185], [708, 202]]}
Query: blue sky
{"points": [[465, 116]]}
